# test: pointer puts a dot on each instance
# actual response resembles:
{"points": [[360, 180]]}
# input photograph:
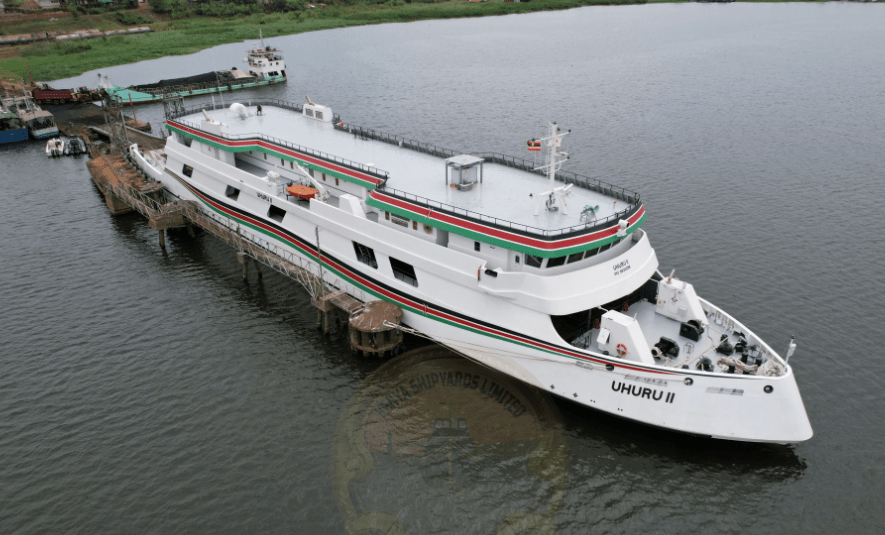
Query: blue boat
{"points": [[11, 127], [39, 122]]}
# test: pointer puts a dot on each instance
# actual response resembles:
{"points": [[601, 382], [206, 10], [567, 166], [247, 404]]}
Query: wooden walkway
{"points": [[126, 190]]}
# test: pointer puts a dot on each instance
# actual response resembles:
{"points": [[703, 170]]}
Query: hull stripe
{"points": [[388, 293]]}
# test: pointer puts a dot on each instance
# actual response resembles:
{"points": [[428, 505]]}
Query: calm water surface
{"points": [[152, 392]]}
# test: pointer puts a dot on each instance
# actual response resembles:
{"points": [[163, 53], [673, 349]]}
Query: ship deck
{"points": [[505, 192]]}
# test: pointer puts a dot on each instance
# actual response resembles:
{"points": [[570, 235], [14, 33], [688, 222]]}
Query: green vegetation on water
{"points": [[50, 60]]}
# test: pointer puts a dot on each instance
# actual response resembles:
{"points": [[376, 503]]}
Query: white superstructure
{"points": [[544, 275]]}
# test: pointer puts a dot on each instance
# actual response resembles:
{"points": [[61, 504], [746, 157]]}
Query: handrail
{"points": [[371, 170], [518, 227]]}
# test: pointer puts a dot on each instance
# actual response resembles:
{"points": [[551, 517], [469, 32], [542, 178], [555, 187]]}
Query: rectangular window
{"points": [[336, 180], [575, 257], [414, 225], [291, 165], [365, 255], [308, 112], [605, 247], [187, 170], [555, 262], [476, 246], [319, 115], [310, 172], [403, 272], [232, 192], [265, 155], [387, 216], [283, 162], [276, 214], [591, 252], [533, 261]]}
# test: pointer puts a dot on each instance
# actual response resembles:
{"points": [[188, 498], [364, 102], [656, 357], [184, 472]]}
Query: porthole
{"points": [[688, 381], [428, 229], [768, 389], [610, 367]]}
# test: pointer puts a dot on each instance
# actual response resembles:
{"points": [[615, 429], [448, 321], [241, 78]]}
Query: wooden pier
{"points": [[125, 189]]}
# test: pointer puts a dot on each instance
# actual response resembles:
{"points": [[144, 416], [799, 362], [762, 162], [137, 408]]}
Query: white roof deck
{"points": [[503, 194]]}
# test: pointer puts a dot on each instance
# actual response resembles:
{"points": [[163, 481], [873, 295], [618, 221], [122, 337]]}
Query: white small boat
{"points": [[55, 147]]}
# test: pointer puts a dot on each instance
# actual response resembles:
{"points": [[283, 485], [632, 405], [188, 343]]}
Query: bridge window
{"points": [[187, 170], [232, 192], [403, 272], [591, 252], [555, 262], [533, 261], [277, 214], [365, 255], [575, 257], [476, 246]]}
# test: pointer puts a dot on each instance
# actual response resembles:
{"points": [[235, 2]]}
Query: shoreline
{"points": [[174, 37], [53, 60]]}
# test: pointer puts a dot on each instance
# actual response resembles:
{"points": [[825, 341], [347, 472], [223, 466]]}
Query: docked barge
{"points": [[542, 274]]}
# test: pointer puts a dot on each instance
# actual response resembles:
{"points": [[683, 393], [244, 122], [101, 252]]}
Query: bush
{"points": [[133, 19]]}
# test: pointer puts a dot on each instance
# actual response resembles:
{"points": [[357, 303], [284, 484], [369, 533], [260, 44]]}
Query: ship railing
{"points": [[374, 171], [597, 224], [568, 177]]}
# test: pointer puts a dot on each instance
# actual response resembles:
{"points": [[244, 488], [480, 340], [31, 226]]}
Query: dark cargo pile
{"points": [[209, 77]]}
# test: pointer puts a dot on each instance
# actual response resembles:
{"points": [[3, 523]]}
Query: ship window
{"points": [[187, 170], [533, 261], [324, 176], [319, 115], [615, 242], [308, 112], [605, 247], [387, 216], [283, 162], [291, 165], [575, 257], [276, 214], [265, 155], [591, 252], [401, 221], [428, 229], [403, 272], [414, 225], [555, 262], [365, 255], [188, 141], [516, 258], [476, 246], [336, 180], [232, 192]]}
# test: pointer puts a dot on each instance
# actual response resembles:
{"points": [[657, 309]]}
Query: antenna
{"points": [[551, 144]]}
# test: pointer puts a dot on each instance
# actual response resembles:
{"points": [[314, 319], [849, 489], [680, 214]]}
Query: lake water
{"points": [[152, 392]]}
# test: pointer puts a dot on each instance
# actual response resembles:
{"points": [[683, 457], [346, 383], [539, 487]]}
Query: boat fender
{"points": [[621, 350]]}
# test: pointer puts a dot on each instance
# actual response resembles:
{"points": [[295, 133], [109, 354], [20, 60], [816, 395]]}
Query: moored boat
{"points": [[11, 127], [265, 66], [545, 275]]}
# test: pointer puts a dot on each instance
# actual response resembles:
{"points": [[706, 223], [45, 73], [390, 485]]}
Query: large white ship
{"points": [[544, 275]]}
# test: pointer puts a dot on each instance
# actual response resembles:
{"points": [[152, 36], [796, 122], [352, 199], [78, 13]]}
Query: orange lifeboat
{"points": [[301, 192]]}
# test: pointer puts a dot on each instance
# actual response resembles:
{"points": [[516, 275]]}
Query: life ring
{"points": [[621, 349], [626, 306]]}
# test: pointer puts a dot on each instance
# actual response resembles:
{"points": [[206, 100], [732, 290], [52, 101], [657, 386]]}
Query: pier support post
{"points": [[190, 230], [257, 267], [243, 259], [162, 234]]}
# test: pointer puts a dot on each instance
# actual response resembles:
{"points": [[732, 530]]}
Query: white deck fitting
{"points": [[503, 194], [654, 326]]}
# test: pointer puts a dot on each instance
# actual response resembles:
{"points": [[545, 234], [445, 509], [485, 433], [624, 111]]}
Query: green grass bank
{"points": [[50, 60]]}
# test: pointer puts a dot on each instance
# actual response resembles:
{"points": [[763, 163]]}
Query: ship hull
{"points": [[515, 340], [11, 136], [126, 95]]}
